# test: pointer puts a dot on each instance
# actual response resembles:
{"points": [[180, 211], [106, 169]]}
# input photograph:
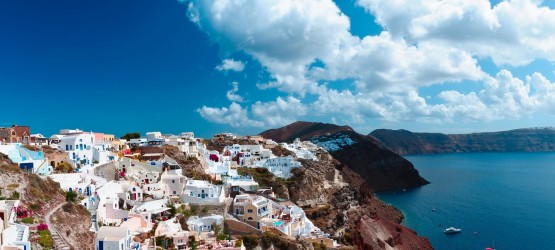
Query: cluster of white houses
{"points": [[129, 194]]}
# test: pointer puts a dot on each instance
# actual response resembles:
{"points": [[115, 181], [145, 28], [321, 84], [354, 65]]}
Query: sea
{"points": [[505, 200]]}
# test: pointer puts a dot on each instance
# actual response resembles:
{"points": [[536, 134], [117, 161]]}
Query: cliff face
{"points": [[339, 201], [381, 168], [520, 140]]}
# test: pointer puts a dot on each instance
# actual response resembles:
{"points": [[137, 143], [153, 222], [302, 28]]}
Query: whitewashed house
{"points": [[113, 238], [12, 235], [202, 192], [134, 193], [30, 161], [172, 184], [282, 166], [204, 224], [246, 183], [79, 148]]}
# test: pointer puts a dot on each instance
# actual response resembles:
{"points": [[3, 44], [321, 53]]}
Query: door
{"points": [[100, 245]]}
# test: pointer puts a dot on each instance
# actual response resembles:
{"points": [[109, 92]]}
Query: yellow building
{"points": [[251, 208]]}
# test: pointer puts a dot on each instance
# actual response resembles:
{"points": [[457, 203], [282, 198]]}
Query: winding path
{"points": [[59, 242]]}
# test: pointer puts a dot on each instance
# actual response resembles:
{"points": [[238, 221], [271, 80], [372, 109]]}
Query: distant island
{"points": [[405, 142]]}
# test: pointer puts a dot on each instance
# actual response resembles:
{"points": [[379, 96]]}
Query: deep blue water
{"points": [[507, 198]]}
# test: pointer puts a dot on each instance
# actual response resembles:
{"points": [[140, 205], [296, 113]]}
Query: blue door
{"points": [[100, 245]]}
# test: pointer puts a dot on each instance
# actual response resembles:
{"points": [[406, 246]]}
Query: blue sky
{"points": [[214, 66]]}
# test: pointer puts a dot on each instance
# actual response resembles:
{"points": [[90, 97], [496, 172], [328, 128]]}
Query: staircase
{"points": [[20, 235], [59, 242]]}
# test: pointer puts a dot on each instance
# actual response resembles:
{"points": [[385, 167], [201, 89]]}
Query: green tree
{"points": [[132, 135], [193, 244], [71, 196]]}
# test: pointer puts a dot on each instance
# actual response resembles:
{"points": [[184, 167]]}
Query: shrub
{"points": [[28, 220], [42, 227], [193, 244], [45, 239], [64, 167], [70, 196], [15, 195], [251, 241]]}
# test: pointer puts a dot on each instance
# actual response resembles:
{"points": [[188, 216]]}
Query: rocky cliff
{"points": [[519, 140], [381, 168]]}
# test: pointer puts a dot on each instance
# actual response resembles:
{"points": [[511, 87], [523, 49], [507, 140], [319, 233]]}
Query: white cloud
{"points": [[232, 93], [235, 116], [264, 114], [279, 112], [284, 36], [230, 64], [511, 32], [424, 43]]}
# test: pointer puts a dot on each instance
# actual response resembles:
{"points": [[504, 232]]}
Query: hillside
{"points": [[40, 197], [381, 168], [405, 142]]}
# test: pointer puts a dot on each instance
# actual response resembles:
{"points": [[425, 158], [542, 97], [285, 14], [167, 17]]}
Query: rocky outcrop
{"points": [[73, 222], [381, 168], [336, 198], [519, 140], [377, 233]]}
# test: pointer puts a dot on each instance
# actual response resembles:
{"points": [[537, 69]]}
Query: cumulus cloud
{"points": [[511, 32], [264, 114], [230, 64], [232, 93], [424, 43], [234, 115], [284, 36]]}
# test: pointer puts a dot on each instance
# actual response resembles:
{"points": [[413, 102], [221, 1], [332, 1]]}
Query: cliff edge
{"points": [[405, 142], [381, 168]]}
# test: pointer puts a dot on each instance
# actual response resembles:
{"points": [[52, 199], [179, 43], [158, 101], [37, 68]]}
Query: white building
{"points": [[204, 224], [202, 192], [137, 142], [12, 235], [154, 136], [302, 149], [172, 184], [238, 181], [79, 148], [282, 166], [113, 238], [28, 160]]}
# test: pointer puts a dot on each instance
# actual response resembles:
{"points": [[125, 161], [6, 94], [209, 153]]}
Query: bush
{"points": [[70, 196], [42, 227], [15, 195], [45, 239], [64, 167], [251, 241], [35, 207], [28, 220]]}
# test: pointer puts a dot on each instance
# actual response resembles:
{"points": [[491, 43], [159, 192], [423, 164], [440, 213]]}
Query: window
{"points": [[249, 211], [198, 195], [174, 192], [173, 181], [250, 218]]}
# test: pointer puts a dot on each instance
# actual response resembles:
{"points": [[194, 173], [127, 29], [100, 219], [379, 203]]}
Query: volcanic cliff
{"points": [[381, 168], [337, 194], [406, 142]]}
